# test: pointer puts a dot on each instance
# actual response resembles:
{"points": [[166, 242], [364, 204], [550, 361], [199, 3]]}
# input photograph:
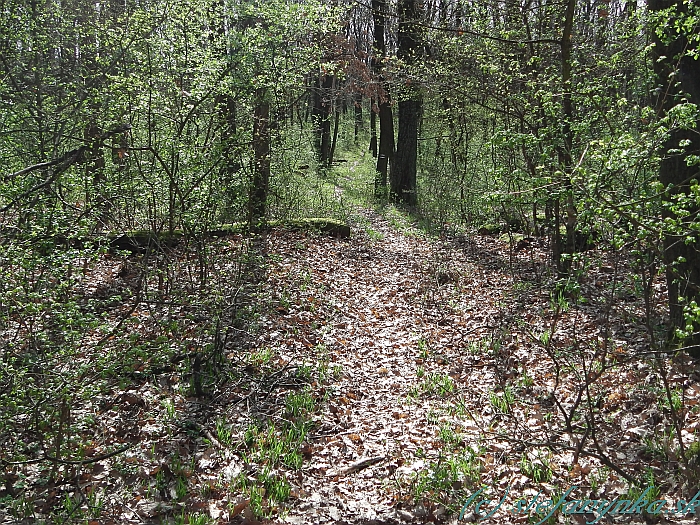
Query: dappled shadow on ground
{"points": [[373, 380]]}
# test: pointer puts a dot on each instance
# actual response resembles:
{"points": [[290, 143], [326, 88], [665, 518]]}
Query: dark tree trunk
{"points": [[226, 107], [261, 152], [404, 166], [94, 157], [386, 118], [317, 113], [321, 114], [336, 124], [679, 75], [386, 145], [326, 142], [565, 152], [568, 111], [403, 171], [373, 129], [358, 114]]}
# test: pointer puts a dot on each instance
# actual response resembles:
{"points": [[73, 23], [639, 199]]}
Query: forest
{"points": [[349, 261]]}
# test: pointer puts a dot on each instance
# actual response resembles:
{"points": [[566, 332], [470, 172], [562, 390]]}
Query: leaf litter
{"points": [[380, 379]]}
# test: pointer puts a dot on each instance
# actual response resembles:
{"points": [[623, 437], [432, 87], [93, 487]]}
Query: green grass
{"points": [[447, 481], [502, 402], [433, 384], [272, 448], [537, 470]]}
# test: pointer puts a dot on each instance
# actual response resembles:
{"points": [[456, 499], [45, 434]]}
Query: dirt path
{"points": [[391, 295], [421, 369], [456, 366]]}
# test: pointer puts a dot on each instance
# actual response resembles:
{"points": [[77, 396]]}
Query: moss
{"points": [[489, 229], [139, 241], [517, 237], [222, 230]]}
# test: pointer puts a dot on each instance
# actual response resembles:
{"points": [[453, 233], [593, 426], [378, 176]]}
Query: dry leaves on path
{"points": [[384, 378]]}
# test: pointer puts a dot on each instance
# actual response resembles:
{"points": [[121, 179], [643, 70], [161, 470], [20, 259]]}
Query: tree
{"points": [[261, 159], [386, 118], [676, 64], [566, 149], [404, 165]]}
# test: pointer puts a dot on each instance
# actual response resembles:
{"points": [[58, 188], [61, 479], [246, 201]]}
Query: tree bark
{"points": [[334, 142], [386, 118], [321, 113], [373, 128], [357, 104], [261, 152], [679, 77], [386, 145], [404, 167], [567, 104]]}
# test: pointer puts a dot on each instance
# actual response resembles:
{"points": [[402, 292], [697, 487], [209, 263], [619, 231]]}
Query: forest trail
{"points": [[403, 307], [452, 353], [371, 380]]}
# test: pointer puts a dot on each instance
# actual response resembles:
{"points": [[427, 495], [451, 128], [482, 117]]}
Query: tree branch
{"points": [[64, 162]]}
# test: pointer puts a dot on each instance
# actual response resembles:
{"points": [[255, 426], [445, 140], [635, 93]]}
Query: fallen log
{"points": [[141, 241]]}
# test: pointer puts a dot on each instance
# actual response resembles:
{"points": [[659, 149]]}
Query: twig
{"points": [[356, 466], [91, 460], [64, 162], [47, 457]]}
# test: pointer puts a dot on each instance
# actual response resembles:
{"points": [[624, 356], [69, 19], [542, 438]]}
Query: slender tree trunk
{"points": [[386, 118], [317, 113], [386, 145], [565, 153], [358, 114], [328, 106], [373, 128], [336, 124], [679, 74], [261, 152], [321, 114]]}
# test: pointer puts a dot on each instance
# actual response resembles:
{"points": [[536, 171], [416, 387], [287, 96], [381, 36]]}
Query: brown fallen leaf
{"points": [[238, 507]]}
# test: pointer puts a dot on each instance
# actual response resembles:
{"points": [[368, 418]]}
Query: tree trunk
{"points": [[317, 113], [257, 204], [386, 118], [404, 166], [386, 145], [679, 75], [327, 105], [373, 128], [321, 114], [335, 137], [357, 99], [403, 171], [565, 153]]}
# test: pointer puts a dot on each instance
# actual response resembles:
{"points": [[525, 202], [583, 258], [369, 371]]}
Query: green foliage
{"points": [[447, 481], [503, 401], [433, 383], [538, 470], [138, 117], [183, 76]]}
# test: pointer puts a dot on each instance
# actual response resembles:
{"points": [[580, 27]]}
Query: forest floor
{"points": [[383, 378]]}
